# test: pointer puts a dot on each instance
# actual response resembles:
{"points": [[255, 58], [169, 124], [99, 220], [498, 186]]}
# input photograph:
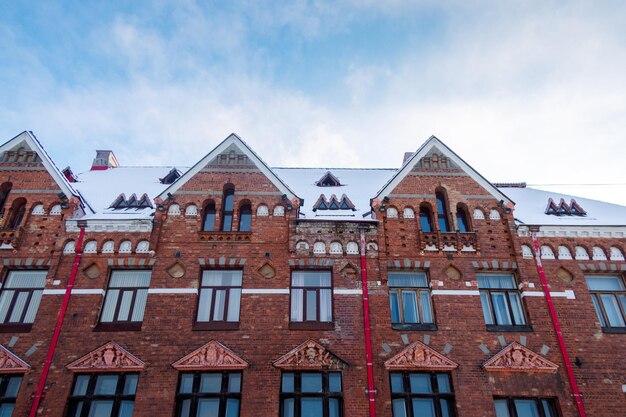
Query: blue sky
{"points": [[522, 90]]}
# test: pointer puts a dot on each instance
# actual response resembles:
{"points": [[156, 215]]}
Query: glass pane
{"points": [[501, 309], [445, 408], [443, 383], [420, 383], [208, 407], [13, 386], [526, 408], [311, 407], [407, 280], [288, 407], [101, 408], [234, 382], [594, 299], [427, 314], [186, 383], [130, 279], [232, 408], [75, 410], [228, 223], [209, 221], [5, 302], [311, 305], [311, 382], [297, 305], [126, 409], [423, 407], [613, 313], [425, 221], [33, 306], [109, 306], [106, 385], [185, 408], [516, 306], [210, 382], [245, 222], [234, 300], [288, 383], [547, 409], [326, 307], [218, 308], [127, 298], [80, 385], [140, 305], [222, 278], [495, 281], [130, 384], [443, 224], [600, 283], [409, 304], [397, 383], [26, 279], [334, 382], [622, 299], [6, 410], [484, 300], [393, 306], [18, 307], [399, 408], [333, 407], [204, 304], [502, 409], [310, 278], [229, 198]]}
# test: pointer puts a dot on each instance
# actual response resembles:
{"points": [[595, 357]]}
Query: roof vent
{"points": [[104, 160], [171, 176]]}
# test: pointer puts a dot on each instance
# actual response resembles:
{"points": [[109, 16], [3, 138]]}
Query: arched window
{"points": [[18, 209], [425, 219], [462, 219], [208, 223], [5, 189], [442, 217], [228, 203], [245, 217]]}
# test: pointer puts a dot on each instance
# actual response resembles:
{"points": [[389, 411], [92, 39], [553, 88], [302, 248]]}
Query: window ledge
{"points": [[15, 328], [243, 237], [118, 327], [497, 328], [311, 325], [616, 330], [213, 325], [404, 326]]}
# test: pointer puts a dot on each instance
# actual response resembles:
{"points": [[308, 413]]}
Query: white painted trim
{"points": [[455, 292], [172, 291], [107, 226], [569, 294], [265, 291], [591, 231], [346, 291], [77, 291]]}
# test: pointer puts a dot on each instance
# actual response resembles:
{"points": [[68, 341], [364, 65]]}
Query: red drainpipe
{"points": [[557, 327], [57, 329], [371, 391]]}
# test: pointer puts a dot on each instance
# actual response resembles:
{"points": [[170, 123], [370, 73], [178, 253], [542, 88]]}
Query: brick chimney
{"points": [[407, 155], [104, 160]]}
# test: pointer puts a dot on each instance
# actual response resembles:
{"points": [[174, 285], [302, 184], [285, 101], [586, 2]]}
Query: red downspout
{"points": [[557, 327], [57, 329], [371, 391]]}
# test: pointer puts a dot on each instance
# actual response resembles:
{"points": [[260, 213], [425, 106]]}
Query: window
{"points": [[5, 189], [125, 299], [421, 394], [462, 220], [501, 301], [103, 395], [425, 220], [220, 299], [245, 218], [409, 301], [311, 297], [311, 394], [442, 217], [215, 394], [525, 407], [20, 297], [18, 210], [9, 386], [228, 203], [609, 299], [208, 223]]}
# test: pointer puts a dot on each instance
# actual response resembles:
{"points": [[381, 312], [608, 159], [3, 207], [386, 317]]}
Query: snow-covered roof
{"points": [[531, 204]]}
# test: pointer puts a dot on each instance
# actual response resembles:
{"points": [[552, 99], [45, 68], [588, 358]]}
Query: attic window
{"points": [[328, 180], [333, 203], [564, 209], [133, 202], [171, 176]]}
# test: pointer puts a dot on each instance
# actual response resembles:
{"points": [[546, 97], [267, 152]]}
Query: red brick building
{"points": [[234, 289]]}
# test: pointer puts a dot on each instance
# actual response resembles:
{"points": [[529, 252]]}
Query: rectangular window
{"points": [[526, 407], [103, 395], [311, 394], [215, 394], [125, 299], [608, 295], [20, 298], [9, 387], [220, 299], [501, 302], [311, 297], [421, 394], [409, 301]]}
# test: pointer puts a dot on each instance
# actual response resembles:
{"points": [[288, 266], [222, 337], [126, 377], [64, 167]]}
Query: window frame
{"points": [[195, 395], [228, 212], [5, 380], [442, 212], [122, 325], [598, 303], [89, 397], [212, 324], [551, 401], [297, 393], [312, 324], [209, 210], [245, 214], [402, 325], [20, 326], [425, 218], [495, 326], [435, 395]]}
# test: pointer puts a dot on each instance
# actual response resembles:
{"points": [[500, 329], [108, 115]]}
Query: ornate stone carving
{"points": [[108, 358], [10, 363], [310, 355], [213, 355], [418, 356], [517, 358]]}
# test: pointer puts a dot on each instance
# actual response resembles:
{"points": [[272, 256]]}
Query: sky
{"points": [[530, 91]]}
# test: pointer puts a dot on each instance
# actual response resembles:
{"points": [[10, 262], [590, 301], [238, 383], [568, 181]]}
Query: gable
{"points": [[109, 357], [310, 355], [211, 356], [231, 152], [518, 358], [418, 356], [10, 363], [434, 154]]}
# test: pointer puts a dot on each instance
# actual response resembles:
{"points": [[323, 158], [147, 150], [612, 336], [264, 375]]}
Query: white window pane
{"points": [[394, 307], [234, 300], [526, 408], [109, 306], [5, 303], [220, 301], [326, 308], [407, 280], [297, 304], [502, 409], [126, 302], [18, 307], [599, 283], [409, 304], [33, 306], [311, 305], [495, 281], [204, 304], [613, 313], [501, 309], [486, 304], [427, 315], [516, 306], [222, 278], [140, 305], [26, 279], [131, 278]]}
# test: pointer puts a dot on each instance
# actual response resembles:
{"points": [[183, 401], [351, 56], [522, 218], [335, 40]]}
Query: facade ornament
{"points": [[418, 356], [211, 356], [310, 355], [108, 358], [518, 358], [10, 363]]}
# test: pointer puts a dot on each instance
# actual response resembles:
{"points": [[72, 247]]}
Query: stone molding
{"points": [[310, 355], [518, 358], [418, 356], [110, 357], [10, 363], [211, 356]]}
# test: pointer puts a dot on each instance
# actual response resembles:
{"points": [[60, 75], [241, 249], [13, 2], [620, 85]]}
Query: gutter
{"points": [[371, 390]]}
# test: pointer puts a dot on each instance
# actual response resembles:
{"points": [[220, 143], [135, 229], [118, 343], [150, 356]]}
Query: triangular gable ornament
{"points": [[518, 358], [110, 357], [211, 356], [418, 356], [10, 363], [310, 355]]}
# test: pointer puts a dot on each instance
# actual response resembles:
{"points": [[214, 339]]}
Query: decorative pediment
{"points": [[310, 355], [418, 356], [518, 358], [212, 356], [108, 358], [10, 363]]}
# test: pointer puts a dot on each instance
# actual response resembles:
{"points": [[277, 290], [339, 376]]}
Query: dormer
{"points": [[171, 176], [328, 180], [104, 160]]}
